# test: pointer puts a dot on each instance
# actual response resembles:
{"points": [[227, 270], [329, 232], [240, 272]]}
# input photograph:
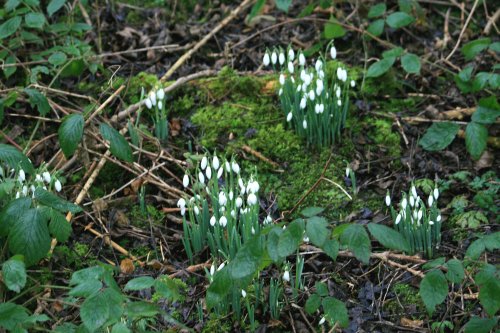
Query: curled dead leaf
{"points": [[127, 266]]}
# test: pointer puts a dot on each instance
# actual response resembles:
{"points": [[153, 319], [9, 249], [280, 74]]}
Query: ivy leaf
{"points": [[455, 272], [480, 325], [399, 19], [335, 311], [439, 136], [316, 230], [50, 199], [411, 63], [376, 28], [356, 239], [140, 283], [475, 139], [433, 290], [14, 158], [473, 48], [377, 10], [380, 67], [118, 145], [14, 273], [388, 237], [71, 133], [10, 26], [39, 100], [95, 311], [30, 236], [487, 111], [54, 6]]}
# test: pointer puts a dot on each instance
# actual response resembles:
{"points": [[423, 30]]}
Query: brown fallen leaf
{"points": [[127, 266], [411, 323], [175, 127], [269, 88]]}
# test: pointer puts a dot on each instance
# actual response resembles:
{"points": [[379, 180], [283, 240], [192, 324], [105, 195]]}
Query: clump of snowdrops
{"points": [[419, 222], [315, 103], [223, 211], [20, 184], [156, 101]]}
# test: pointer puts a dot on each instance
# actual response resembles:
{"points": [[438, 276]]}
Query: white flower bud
{"points": [[398, 219], [228, 166], [339, 102], [404, 203], [213, 220], [322, 321], [291, 54], [311, 95], [274, 58], [221, 266], [57, 185], [223, 221], [215, 162], [353, 83], [152, 97], [243, 293], [222, 198], [196, 210], [286, 276], [266, 59], [281, 58], [212, 269], [22, 176], [235, 167], [436, 193], [181, 203], [204, 163], [219, 173], [160, 93], [148, 103], [318, 65], [160, 105], [321, 108], [340, 74], [304, 124], [289, 117], [253, 230], [387, 200], [268, 219], [185, 180], [333, 52], [201, 177], [239, 202], [431, 222], [430, 201], [302, 59], [208, 172], [290, 67], [414, 192], [252, 199], [420, 214], [25, 190], [38, 178], [303, 102], [46, 177]]}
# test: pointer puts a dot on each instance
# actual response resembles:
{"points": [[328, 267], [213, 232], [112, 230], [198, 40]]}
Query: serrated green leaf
{"points": [[434, 263], [120, 328], [59, 227], [219, 288], [380, 67], [8, 71], [30, 236], [86, 274], [475, 250], [139, 283], [11, 315], [136, 310], [11, 213], [480, 325], [316, 230], [487, 111], [439, 136], [376, 28], [94, 312], [51, 200], [321, 289], [335, 311], [248, 259], [272, 244], [488, 280], [313, 303], [14, 274], [54, 6], [492, 241], [10, 26], [70, 133], [311, 211], [411, 63], [388, 237], [455, 271], [476, 136], [356, 239], [473, 48], [34, 20], [377, 10], [57, 58], [290, 238], [433, 290], [399, 19], [86, 288], [393, 53], [333, 30], [14, 158], [119, 147], [39, 100], [331, 248]]}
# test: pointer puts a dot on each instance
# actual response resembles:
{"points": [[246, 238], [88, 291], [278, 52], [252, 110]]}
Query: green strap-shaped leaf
{"points": [[119, 147], [71, 133]]}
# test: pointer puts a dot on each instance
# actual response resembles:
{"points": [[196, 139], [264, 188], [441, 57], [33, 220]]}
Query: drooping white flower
{"points": [[38, 178], [353, 83], [221, 266], [311, 95], [344, 75], [57, 185], [305, 239], [45, 175], [282, 79], [321, 108], [290, 68], [252, 199], [22, 176], [253, 230], [321, 74], [430, 200], [338, 91], [148, 103], [387, 199], [431, 222], [213, 220], [316, 108], [304, 124], [231, 195], [185, 180], [160, 93], [420, 214], [18, 195], [215, 162], [182, 205], [235, 167], [243, 293], [268, 219], [32, 189], [274, 58], [196, 210], [208, 172], [340, 74], [291, 54], [25, 190], [223, 221], [339, 102], [322, 321], [414, 191], [289, 116], [347, 171], [152, 97], [412, 201], [404, 203], [222, 198], [219, 173], [160, 105], [266, 59], [204, 163], [436, 193], [398, 219], [333, 52], [286, 276], [228, 166], [201, 177], [281, 58], [302, 59], [239, 202], [240, 183], [318, 65]]}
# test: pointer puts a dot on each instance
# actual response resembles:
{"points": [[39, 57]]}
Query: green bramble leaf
{"points": [[476, 136], [39, 100], [488, 280], [388, 237], [290, 238], [333, 30], [376, 28], [439, 136], [316, 230], [10, 26], [95, 311], [14, 158], [433, 290], [283, 5], [313, 303], [335, 311], [86, 289], [356, 239], [86, 274], [14, 273], [51, 200], [311, 211], [377, 10], [455, 273], [331, 248], [487, 111], [140, 283], [35, 20], [57, 58], [480, 325], [119, 147], [399, 19], [59, 227], [11, 213], [54, 6], [473, 48], [394, 52], [411, 63], [380, 67], [70, 133]]}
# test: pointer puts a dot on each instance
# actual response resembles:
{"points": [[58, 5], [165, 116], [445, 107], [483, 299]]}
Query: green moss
{"points": [[134, 85], [106, 181], [77, 257], [408, 297], [380, 131], [151, 215]]}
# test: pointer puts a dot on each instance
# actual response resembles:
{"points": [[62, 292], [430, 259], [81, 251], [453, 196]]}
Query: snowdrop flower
{"points": [[148, 103], [308, 79], [18, 195], [321, 108], [412, 201], [303, 75], [45, 175], [219, 173], [319, 87], [22, 176], [431, 222], [266, 59], [253, 187], [204, 163], [233, 214], [38, 178], [253, 230], [291, 54], [212, 269], [305, 239], [338, 91], [57, 185], [252, 199], [436, 193], [228, 166], [299, 87], [353, 83], [274, 58], [289, 116], [212, 221], [430, 201], [235, 167], [333, 52], [347, 171], [160, 94], [387, 199], [282, 79], [420, 214], [268, 219], [196, 210], [344, 75], [398, 219], [222, 198], [302, 59], [303, 102], [215, 162], [240, 183], [25, 190], [223, 221], [231, 195], [32, 189], [316, 108], [286, 276], [280, 92], [239, 202], [414, 191], [221, 266], [304, 124], [201, 177], [340, 73], [322, 321], [182, 205], [311, 95], [160, 105], [243, 293], [318, 65], [339, 102], [209, 173], [290, 67], [152, 97], [185, 180], [281, 58], [404, 203]]}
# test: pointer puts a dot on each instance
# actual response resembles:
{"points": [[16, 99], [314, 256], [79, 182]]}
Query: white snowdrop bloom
{"points": [[212, 269], [240, 183], [244, 211], [282, 79], [152, 97], [18, 195], [304, 124], [303, 102], [281, 58], [339, 102], [387, 200], [339, 73], [32, 189], [231, 195], [266, 60], [338, 91], [321, 108], [215, 162], [268, 219], [438, 218], [312, 95], [235, 167], [233, 214], [57, 185], [38, 178], [308, 79], [222, 198], [316, 108], [208, 172], [318, 65], [289, 117], [253, 230], [160, 94], [46, 176], [228, 166], [204, 163], [221, 266], [319, 87], [322, 321], [274, 58], [302, 59], [196, 210], [436, 193], [160, 105], [412, 201], [353, 83], [201, 177], [185, 180], [321, 74], [305, 239], [213, 220], [303, 75], [431, 222], [223, 221], [333, 52], [25, 190], [219, 173], [286, 276], [181, 203], [239, 202], [414, 192], [344, 75], [280, 92], [430, 201], [290, 67], [299, 87], [304, 88], [252, 199], [415, 214], [291, 54], [404, 203], [398, 219], [347, 171], [420, 214], [243, 293], [148, 103], [22, 176]]}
